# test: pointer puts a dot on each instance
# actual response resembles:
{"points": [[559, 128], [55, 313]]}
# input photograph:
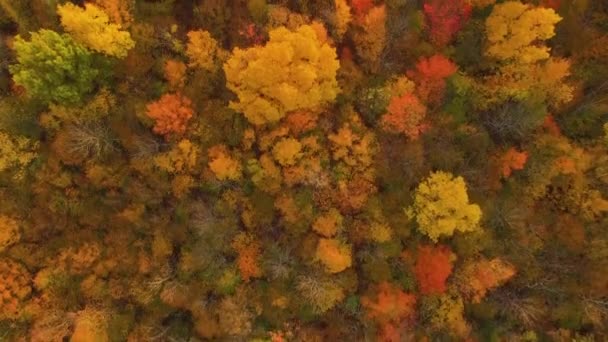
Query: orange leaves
{"points": [[223, 165], [446, 18], [175, 72], [249, 252], [170, 113], [328, 223], [430, 75], [390, 305], [405, 115], [433, 267], [334, 255], [512, 160], [14, 288], [478, 277]]}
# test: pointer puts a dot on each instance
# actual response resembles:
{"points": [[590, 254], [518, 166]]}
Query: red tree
{"points": [[432, 269], [361, 7], [430, 75], [171, 114], [445, 18]]}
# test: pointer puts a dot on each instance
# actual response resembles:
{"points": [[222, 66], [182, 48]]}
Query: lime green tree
{"points": [[53, 67]]}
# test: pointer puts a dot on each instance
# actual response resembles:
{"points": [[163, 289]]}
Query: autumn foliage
{"points": [[512, 160], [430, 75], [433, 267], [478, 277], [170, 113], [389, 304], [405, 115], [445, 18]]}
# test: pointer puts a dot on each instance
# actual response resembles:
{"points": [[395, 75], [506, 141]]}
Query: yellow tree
{"points": [[342, 18], [118, 10], [201, 50], [516, 31], [441, 206], [91, 27], [295, 70]]}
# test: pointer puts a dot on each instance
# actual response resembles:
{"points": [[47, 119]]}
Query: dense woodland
{"points": [[303, 170]]}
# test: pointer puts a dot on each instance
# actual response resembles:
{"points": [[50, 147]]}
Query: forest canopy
{"points": [[312, 170]]}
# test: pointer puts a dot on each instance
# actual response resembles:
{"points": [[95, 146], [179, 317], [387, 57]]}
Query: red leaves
{"points": [[430, 75], [361, 7], [432, 269], [446, 18]]}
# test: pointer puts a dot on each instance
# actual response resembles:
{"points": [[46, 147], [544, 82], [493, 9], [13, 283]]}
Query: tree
{"points": [[53, 67], [287, 151], [441, 206], [16, 153], [170, 113], [478, 277], [334, 255], [343, 17], [293, 71], [370, 38], [248, 250], [449, 315], [446, 18], [512, 160], [430, 75], [389, 304], [118, 10], [223, 165], [91, 324], [16, 287], [322, 294], [433, 267], [175, 73], [91, 27], [201, 50], [405, 115], [329, 223], [515, 32], [9, 232]]}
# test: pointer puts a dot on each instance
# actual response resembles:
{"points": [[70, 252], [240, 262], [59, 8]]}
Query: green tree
{"points": [[53, 67]]}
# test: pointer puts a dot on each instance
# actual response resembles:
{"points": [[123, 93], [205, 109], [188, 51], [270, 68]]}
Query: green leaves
{"points": [[54, 68]]}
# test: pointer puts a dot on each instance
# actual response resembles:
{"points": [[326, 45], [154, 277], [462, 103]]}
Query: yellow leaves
{"points": [[90, 26], [181, 159], [380, 232], [515, 32], [16, 153], [343, 17], [328, 224], [450, 315], [287, 151], [334, 255], [9, 232], [354, 146], [223, 165], [295, 70], [441, 206], [201, 50]]}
